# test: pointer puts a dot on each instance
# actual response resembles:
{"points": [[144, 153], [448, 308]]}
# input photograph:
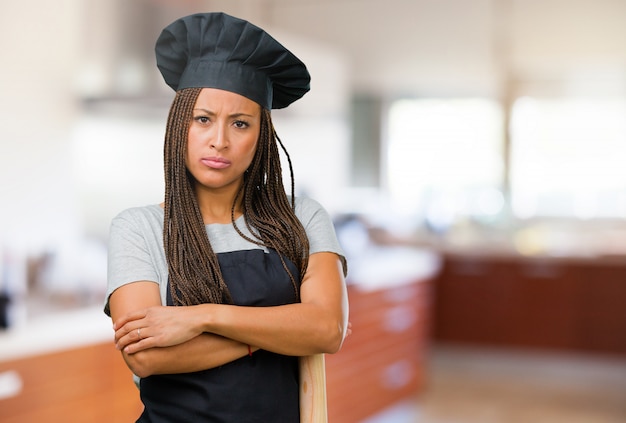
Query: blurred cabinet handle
{"points": [[10, 384]]}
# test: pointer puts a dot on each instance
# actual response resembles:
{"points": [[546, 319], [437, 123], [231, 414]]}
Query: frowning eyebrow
{"points": [[234, 115]]}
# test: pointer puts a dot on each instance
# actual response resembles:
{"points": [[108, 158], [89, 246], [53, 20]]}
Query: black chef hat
{"points": [[216, 50]]}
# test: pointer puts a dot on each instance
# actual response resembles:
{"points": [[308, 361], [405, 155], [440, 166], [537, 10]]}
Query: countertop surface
{"points": [[375, 268], [56, 332]]}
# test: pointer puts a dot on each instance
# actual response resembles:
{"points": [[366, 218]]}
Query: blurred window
{"points": [[444, 159], [567, 157]]}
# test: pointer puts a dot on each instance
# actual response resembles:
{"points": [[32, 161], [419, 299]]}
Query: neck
{"points": [[216, 206]]}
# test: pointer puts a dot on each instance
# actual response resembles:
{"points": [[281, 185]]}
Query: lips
{"points": [[215, 162]]}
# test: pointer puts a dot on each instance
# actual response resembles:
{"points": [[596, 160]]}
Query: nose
{"points": [[219, 140]]}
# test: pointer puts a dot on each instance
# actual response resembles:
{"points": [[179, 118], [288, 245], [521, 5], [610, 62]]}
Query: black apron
{"points": [[260, 388]]}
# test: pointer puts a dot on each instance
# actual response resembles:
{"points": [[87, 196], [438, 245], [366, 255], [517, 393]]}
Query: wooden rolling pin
{"points": [[313, 389]]}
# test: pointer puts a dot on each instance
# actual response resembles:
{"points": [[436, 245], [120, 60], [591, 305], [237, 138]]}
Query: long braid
{"points": [[194, 271], [266, 208]]}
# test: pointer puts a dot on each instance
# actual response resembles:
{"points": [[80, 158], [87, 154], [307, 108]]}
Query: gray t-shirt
{"points": [[136, 250]]}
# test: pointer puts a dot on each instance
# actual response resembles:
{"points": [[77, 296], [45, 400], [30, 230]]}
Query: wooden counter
{"points": [[57, 380], [82, 385], [533, 302], [382, 362], [64, 368]]}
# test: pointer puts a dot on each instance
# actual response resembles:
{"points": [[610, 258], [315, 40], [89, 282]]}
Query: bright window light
{"points": [[568, 158], [444, 158]]}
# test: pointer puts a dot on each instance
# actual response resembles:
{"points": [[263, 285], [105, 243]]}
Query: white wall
{"points": [[463, 47], [426, 47], [39, 47]]}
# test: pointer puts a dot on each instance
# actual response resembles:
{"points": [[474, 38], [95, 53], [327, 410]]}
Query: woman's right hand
{"points": [[156, 326], [137, 312]]}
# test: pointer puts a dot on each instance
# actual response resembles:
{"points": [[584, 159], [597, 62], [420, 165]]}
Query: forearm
{"points": [[315, 325], [294, 329], [203, 352]]}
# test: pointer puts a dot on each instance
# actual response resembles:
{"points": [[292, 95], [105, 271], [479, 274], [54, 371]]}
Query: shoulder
{"points": [[316, 220], [319, 228], [138, 222], [150, 215], [308, 208]]}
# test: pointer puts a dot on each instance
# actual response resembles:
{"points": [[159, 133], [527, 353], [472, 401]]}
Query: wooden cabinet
{"points": [[84, 385], [554, 303], [382, 362]]}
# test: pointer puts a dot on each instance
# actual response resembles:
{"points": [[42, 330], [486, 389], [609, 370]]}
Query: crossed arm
{"points": [[193, 338]]}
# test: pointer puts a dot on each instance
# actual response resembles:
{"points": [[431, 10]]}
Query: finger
{"points": [[126, 335], [136, 321], [126, 330], [130, 317], [141, 345]]}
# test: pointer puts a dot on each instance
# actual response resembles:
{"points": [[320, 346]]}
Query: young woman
{"points": [[215, 293]]}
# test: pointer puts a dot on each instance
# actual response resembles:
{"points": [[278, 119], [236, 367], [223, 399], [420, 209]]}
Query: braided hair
{"points": [[194, 271]]}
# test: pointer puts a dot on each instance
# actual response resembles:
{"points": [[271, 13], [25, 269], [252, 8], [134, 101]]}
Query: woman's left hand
{"points": [[158, 326]]}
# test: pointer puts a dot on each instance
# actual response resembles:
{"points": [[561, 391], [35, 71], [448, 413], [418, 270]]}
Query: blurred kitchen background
{"points": [[471, 152]]}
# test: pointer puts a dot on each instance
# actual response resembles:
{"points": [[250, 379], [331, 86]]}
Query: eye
{"points": [[241, 124], [201, 119]]}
